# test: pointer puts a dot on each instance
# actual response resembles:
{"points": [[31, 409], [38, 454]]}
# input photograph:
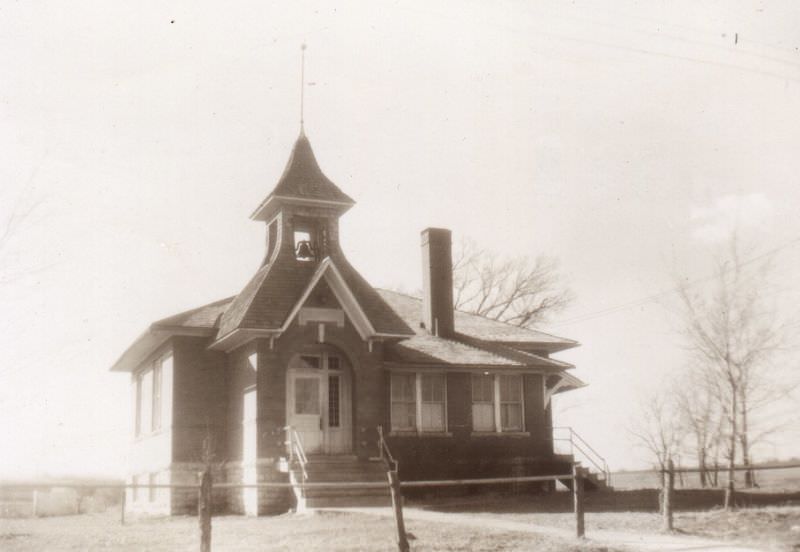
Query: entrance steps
{"points": [[339, 469], [593, 480]]}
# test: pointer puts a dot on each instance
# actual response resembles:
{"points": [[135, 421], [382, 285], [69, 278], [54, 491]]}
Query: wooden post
{"points": [[204, 510], [577, 495], [397, 505], [122, 506], [666, 495]]}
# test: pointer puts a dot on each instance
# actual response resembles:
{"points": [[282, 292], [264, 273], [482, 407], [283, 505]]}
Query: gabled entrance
{"points": [[319, 405]]}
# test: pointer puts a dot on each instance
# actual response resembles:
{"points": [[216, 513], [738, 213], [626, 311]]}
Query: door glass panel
{"points": [[333, 401], [310, 361], [306, 396]]}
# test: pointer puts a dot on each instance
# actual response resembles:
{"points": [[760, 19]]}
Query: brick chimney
{"points": [[437, 281]]}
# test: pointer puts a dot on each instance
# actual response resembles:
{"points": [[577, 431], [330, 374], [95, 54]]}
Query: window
{"points": [[483, 403], [306, 396], [156, 418], [510, 402], [497, 403], [152, 491], [333, 400], [150, 396], [432, 411], [138, 405], [404, 404], [419, 402], [146, 404]]}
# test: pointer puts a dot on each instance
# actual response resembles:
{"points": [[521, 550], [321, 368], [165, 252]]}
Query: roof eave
{"points": [[269, 206]]}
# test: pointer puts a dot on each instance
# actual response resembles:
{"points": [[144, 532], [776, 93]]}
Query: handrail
{"points": [[384, 452], [295, 446], [595, 458]]}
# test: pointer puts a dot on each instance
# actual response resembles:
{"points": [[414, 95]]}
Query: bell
{"points": [[304, 250]]}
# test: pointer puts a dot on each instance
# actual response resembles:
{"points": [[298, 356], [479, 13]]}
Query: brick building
{"points": [[308, 352]]}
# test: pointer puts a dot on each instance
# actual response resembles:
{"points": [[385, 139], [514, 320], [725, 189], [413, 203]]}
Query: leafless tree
{"points": [[522, 291], [699, 418], [733, 335], [657, 427]]}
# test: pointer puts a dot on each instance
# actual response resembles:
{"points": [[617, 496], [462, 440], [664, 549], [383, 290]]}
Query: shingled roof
{"points": [[303, 179], [478, 327]]}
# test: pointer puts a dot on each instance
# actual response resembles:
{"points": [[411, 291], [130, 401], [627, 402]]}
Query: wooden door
{"points": [[305, 409]]}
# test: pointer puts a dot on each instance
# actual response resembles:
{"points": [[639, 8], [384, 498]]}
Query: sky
{"points": [[627, 139]]}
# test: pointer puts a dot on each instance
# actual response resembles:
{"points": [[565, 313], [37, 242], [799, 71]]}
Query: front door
{"points": [[319, 403]]}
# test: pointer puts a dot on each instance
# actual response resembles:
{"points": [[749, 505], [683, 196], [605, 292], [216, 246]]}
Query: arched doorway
{"points": [[319, 400]]}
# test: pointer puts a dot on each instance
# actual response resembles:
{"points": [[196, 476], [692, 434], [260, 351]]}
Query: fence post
{"points": [[397, 505], [668, 487], [122, 506], [577, 495], [204, 510]]}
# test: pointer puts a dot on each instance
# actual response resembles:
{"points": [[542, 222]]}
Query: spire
{"points": [[302, 85]]}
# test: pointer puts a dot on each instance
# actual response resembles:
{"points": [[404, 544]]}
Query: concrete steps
{"points": [[339, 469], [593, 481]]}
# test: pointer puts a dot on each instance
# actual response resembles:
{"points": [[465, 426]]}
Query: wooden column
{"points": [[397, 505], [577, 495], [204, 511]]}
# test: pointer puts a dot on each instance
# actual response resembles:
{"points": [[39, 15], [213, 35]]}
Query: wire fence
{"points": [[206, 487]]}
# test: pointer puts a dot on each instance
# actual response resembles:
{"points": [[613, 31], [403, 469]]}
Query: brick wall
{"points": [[200, 399]]}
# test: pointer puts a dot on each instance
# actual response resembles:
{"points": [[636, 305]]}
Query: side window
{"points": [[510, 402], [483, 403], [404, 405], [433, 402]]}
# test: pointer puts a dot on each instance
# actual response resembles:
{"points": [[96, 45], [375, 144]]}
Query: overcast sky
{"points": [[625, 138]]}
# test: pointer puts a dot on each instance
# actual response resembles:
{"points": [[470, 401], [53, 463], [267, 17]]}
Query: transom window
{"points": [[497, 404], [419, 402]]}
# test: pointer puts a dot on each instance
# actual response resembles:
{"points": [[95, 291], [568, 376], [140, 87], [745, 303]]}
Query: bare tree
{"points": [[699, 418], [732, 334], [522, 291], [657, 428]]}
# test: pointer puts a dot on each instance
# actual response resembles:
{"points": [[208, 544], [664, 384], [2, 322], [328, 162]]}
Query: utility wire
{"points": [[649, 298]]}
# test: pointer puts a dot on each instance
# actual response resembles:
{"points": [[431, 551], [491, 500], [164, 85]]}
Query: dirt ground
{"points": [[325, 531], [762, 519]]}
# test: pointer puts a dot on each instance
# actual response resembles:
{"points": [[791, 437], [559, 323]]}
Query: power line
{"points": [[652, 297]]}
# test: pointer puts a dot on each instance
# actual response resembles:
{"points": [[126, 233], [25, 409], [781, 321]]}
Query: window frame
{"points": [[497, 404], [153, 395], [417, 429]]}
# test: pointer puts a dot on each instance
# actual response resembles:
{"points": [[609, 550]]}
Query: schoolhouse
{"points": [[309, 373]]}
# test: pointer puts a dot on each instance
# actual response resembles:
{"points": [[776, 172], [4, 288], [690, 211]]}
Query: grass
{"points": [[325, 531]]}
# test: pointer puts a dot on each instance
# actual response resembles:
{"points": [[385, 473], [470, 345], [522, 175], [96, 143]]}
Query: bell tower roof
{"points": [[303, 182]]}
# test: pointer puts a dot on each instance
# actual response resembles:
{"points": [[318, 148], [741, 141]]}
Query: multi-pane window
{"points": [[483, 403], [156, 417], [404, 403], [149, 397], [497, 403], [333, 400], [419, 402], [433, 405], [510, 402], [146, 403]]}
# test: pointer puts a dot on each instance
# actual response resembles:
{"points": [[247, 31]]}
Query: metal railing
{"points": [[297, 454], [587, 453], [384, 453]]}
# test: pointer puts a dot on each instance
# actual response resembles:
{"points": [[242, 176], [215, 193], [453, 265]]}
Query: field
{"points": [[785, 479], [763, 519], [326, 531]]}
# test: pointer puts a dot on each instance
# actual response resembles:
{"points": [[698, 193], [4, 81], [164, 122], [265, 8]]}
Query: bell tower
{"points": [[302, 212]]}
